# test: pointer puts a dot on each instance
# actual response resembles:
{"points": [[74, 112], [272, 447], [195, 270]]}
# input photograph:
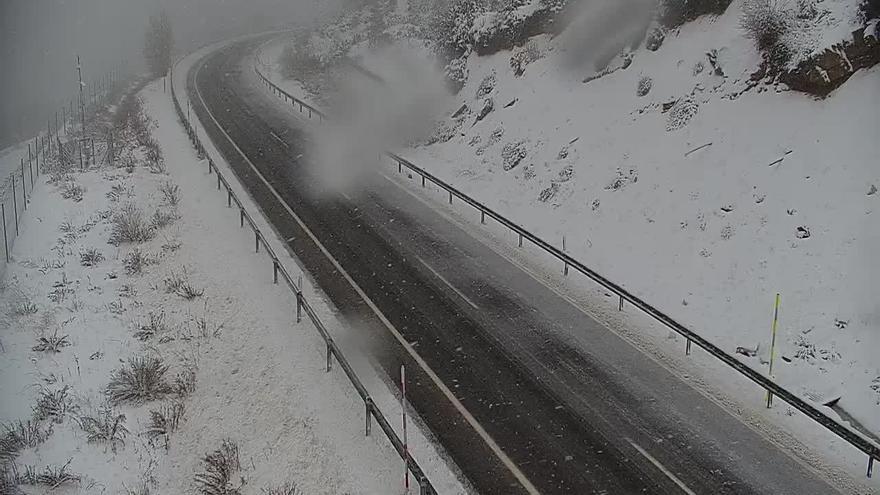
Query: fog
{"points": [[39, 41]]}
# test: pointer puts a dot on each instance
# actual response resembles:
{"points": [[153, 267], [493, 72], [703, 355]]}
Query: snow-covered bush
{"points": [[487, 85], [456, 73], [522, 57], [451, 28], [644, 86], [681, 113], [512, 154], [767, 22]]}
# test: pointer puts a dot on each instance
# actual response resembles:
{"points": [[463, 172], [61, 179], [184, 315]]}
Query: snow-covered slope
{"points": [[707, 209]]}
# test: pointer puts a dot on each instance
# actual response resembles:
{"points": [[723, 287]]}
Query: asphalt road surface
{"points": [[525, 392]]}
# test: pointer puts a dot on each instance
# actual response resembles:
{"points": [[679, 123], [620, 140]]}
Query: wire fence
{"points": [[371, 410], [60, 142], [568, 262]]}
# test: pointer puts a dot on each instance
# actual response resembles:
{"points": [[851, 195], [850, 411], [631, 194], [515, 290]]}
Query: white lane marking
{"points": [[277, 137], [662, 468], [490, 442], [460, 294]]}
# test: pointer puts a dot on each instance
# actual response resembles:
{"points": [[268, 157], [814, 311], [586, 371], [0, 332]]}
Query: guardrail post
{"points": [[329, 357], [423, 485], [368, 420], [241, 217], [274, 272], [482, 217], [256, 241], [218, 181], [565, 269], [228, 198], [5, 239], [14, 205], [210, 166], [620, 303], [687, 348], [870, 466], [24, 186], [423, 181], [299, 305], [450, 197], [520, 240]]}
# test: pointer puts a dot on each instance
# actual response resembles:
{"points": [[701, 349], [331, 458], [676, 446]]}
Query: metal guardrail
{"points": [[372, 411], [773, 389]]}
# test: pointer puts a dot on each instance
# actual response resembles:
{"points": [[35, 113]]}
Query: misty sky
{"points": [[39, 41]]}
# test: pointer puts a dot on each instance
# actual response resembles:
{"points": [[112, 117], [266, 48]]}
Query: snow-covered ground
{"points": [[706, 208], [239, 366]]}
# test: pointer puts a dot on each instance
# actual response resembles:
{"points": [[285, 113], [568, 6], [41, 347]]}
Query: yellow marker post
{"points": [[773, 346]]}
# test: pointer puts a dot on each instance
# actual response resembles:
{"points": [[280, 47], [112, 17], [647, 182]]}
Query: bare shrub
{"points": [[142, 489], [52, 343], [288, 488], [119, 191], [170, 192], [163, 218], [142, 379], [155, 325], [106, 426], [25, 308], [54, 404], [90, 257], [178, 283], [135, 261], [56, 476], [185, 383], [72, 190], [220, 467], [165, 421], [129, 225]]}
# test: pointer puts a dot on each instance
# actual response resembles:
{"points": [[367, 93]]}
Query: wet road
{"points": [[527, 393]]}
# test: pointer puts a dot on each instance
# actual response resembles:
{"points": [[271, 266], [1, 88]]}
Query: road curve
{"points": [[561, 405]]}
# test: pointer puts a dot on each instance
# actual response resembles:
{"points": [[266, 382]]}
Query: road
{"points": [[526, 392]]}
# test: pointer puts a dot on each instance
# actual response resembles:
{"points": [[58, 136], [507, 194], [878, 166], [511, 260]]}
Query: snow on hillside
{"points": [[703, 200], [700, 190], [80, 312]]}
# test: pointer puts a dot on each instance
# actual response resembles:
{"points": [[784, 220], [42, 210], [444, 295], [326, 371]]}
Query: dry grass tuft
{"points": [[106, 426], [142, 379], [165, 421], [51, 343], [220, 467], [129, 225]]}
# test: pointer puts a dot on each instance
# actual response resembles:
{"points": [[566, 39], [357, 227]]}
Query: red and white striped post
{"points": [[403, 413]]}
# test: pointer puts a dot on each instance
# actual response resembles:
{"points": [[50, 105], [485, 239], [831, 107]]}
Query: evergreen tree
{"points": [[158, 43]]}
